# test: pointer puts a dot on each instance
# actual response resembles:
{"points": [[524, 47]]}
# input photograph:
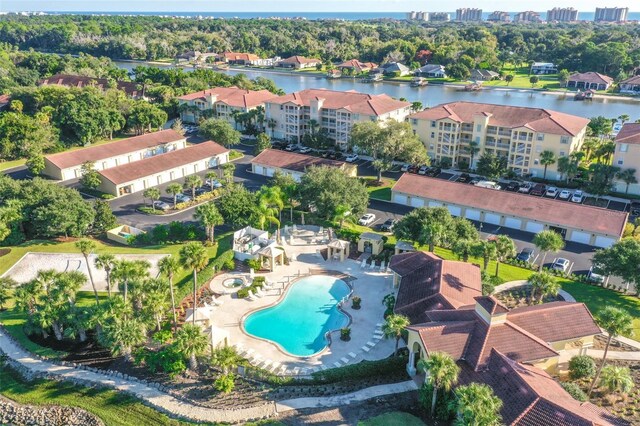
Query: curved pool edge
{"points": [[284, 294]]}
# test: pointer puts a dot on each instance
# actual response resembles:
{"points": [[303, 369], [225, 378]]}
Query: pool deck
{"points": [[366, 341]]}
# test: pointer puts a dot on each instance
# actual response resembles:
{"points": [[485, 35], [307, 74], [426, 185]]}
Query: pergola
{"points": [[338, 249], [273, 255], [370, 243]]}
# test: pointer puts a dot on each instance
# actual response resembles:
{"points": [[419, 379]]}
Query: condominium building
{"points": [[499, 16], [517, 133], [220, 102], [468, 14], [527, 16], [428, 16], [611, 14], [290, 116], [627, 155], [562, 14]]}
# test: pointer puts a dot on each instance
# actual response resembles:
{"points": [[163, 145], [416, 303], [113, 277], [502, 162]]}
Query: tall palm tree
{"points": [[605, 150], [153, 194], [106, 262], [616, 379], [156, 301], [393, 327], [226, 358], [272, 124], [266, 214], [210, 217], [473, 150], [442, 373], [628, 176], [476, 404], [191, 342], [174, 189], [616, 322], [589, 146], [169, 266], [193, 256], [547, 241], [86, 247], [273, 197], [624, 118], [463, 248], [486, 250], [211, 176], [543, 284], [547, 158], [505, 248], [192, 182], [227, 171], [125, 272], [122, 335]]}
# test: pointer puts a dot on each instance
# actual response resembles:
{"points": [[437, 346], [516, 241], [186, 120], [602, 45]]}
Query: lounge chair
{"points": [[250, 297], [363, 264], [259, 292], [217, 302], [382, 266]]}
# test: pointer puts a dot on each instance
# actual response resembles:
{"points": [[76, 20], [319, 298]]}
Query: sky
{"points": [[294, 5]]}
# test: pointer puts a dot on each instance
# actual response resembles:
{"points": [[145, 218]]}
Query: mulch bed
{"points": [[601, 342], [4, 251], [519, 296]]}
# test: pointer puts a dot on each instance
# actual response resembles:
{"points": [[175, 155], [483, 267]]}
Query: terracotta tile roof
{"points": [[512, 117], [300, 60], [591, 77], [630, 133], [237, 56], [588, 218], [294, 161], [555, 321], [68, 80], [162, 162], [68, 159], [449, 337], [491, 305], [631, 80], [359, 103], [357, 65], [232, 96]]}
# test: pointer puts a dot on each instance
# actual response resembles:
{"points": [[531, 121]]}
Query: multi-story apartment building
{"points": [[499, 16], [220, 102], [466, 14], [627, 155], [289, 116], [455, 130], [428, 16], [562, 14], [611, 14], [527, 16]]}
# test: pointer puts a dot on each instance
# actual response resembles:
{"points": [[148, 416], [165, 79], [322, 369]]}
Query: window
{"points": [[562, 154], [433, 124], [433, 134], [414, 121], [478, 139], [479, 128], [540, 136], [538, 148], [620, 162], [564, 139], [431, 146], [624, 147]]}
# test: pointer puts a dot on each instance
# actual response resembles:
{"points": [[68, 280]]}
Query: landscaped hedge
{"points": [[362, 370], [258, 282]]}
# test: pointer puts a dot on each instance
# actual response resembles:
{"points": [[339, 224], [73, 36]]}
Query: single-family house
{"points": [[431, 70], [299, 62], [393, 68], [483, 75], [589, 80], [541, 68], [630, 85], [354, 66], [246, 59], [194, 56]]}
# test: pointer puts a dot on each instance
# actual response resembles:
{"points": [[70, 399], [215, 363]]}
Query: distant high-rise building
{"points": [[411, 16], [562, 14], [438, 17], [611, 14], [468, 15], [527, 16], [499, 16]]}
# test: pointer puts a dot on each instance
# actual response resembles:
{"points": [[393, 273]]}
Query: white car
{"points": [[552, 191], [561, 264], [183, 198], [351, 158], [367, 219], [405, 167], [305, 150], [161, 205], [291, 147], [594, 276], [564, 194], [525, 188], [423, 170], [577, 197]]}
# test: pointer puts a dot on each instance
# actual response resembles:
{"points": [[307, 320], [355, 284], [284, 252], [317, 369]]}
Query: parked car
{"points": [[335, 155], [552, 191], [512, 186], [414, 168], [525, 188], [278, 144], [464, 178], [367, 219], [564, 194], [291, 147], [183, 198], [561, 264], [635, 208], [161, 205], [405, 167], [594, 276], [577, 197], [351, 158], [434, 171], [305, 150], [388, 225], [423, 170], [526, 255], [202, 190], [538, 189], [487, 184]]}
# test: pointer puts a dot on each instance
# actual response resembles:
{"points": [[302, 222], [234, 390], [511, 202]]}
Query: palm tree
{"points": [[475, 404], [628, 176], [191, 342], [169, 266], [122, 335], [156, 302], [153, 194], [271, 124], [266, 214], [589, 146], [486, 250], [624, 118], [86, 247], [226, 358], [442, 373], [340, 213], [547, 158], [547, 241], [505, 248], [393, 327], [192, 181], [126, 272], [106, 262], [313, 126], [473, 150], [194, 256], [210, 217], [616, 379], [174, 189], [543, 284], [6, 283], [616, 322], [273, 197], [227, 171], [211, 176], [605, 150]]}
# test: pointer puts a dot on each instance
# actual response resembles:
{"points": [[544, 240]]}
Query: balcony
{"points": [[505, 133]]}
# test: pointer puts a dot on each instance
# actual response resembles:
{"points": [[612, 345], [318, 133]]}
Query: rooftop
{"points": [[591, 77], [577, 216], [536, 119], [162, 162], [68, 159], [356, 64], [629, 133], [293, 161], [238, 56], [232, 96], [631, 80], [300, 60]]}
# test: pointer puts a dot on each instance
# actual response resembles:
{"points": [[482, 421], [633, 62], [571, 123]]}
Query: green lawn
{"points": [[235, 155], [396, 418], [6, 165], [379, 190], [114, 408]]}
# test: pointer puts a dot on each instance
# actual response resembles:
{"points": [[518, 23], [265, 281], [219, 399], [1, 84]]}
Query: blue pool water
{"points": [[299, 322]]}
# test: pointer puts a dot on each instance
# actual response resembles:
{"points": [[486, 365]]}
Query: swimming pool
{"points": [[299, 322]]}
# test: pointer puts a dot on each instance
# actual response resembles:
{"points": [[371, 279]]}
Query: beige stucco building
{"points": [[517, 133], [627, 155]]}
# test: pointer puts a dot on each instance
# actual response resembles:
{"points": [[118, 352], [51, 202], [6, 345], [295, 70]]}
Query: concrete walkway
{"points": [[346, 399]]}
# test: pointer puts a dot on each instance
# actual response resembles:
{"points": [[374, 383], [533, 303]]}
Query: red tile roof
{"points": [[68, 159], [359, 103], [294, 161], [236, 56], [591, 77], [631, 80], [449, 337], [68, 80], [162, 162], [491, 305], [512, 117], [588, 218], [630, 133], [300, 60], [232, 96], [357, 65]]}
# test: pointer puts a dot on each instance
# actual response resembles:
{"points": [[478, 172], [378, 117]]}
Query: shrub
{"points": [[243, 292], [160, 233], [355, 302], [163, 336], [168, 360], [363, 370], [229, 264], [225, 383], [345, 334], [149, 210], [254, 264], [575, 391], [581, 366]]}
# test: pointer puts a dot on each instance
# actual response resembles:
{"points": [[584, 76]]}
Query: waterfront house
{"points": [[431, 70], [393, 68], [630, 85], [483, 75], [354, 66], [541, 68], [246, 59], [299, 62], [589, 80]]}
